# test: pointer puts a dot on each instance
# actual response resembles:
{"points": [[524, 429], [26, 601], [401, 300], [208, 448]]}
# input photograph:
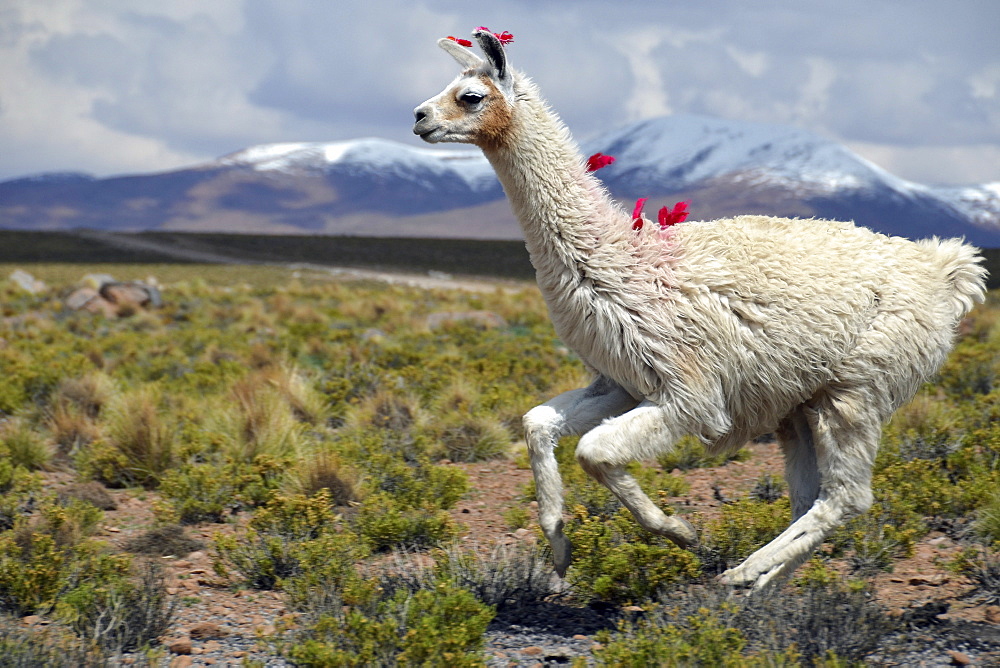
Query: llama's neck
{"points": [[564, 212]]}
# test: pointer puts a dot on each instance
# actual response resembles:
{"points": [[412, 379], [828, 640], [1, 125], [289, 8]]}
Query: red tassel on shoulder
{"points": [[599, 161], [678, 214]]}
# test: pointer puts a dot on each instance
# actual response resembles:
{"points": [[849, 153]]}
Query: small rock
{"points": [[79, 299], [207, 630], [534, 650], [579, 637], [182, 661], [182, 646], [27, 282], [959, 658], [33, 620], [195, 556], [992, 614], [523, 533]]}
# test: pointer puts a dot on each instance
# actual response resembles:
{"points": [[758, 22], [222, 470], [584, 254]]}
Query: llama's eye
{"points": [[471, 98]]}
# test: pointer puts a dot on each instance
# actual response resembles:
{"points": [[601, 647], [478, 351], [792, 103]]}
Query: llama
{"points": [[814, 330]]}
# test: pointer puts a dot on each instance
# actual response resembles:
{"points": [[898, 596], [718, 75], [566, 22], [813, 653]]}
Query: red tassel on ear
{"points": [[461, 42], [504, 37]]}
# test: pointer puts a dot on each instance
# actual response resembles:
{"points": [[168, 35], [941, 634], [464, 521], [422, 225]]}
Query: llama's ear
{"points": [[462, 54], [491, 46]]}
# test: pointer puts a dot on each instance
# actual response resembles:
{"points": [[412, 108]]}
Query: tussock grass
{"points": [[24, 445]]}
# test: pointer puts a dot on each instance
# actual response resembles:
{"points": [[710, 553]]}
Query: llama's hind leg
{"points": [[639, 434], [572, 412], [845, 431], [801, 470]]}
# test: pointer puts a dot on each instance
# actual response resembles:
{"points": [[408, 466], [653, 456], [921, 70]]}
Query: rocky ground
{"points": [[218, 624]]}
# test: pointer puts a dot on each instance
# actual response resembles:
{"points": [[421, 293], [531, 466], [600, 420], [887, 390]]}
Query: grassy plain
{"points": [[319, 422]]}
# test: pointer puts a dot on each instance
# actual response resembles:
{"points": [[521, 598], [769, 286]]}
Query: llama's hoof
{"points": [[679, 531], [742, 577], [562, 554]]}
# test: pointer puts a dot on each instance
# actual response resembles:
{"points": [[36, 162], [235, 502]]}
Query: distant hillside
{"points": [[378, 188], [492, 258], [472, 257]]}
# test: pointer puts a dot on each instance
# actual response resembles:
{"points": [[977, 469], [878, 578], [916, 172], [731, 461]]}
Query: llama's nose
{"points": [[419, 114]]}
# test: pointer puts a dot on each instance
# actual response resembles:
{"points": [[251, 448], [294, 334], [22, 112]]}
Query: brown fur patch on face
{"points": [[450, 109], [494, 119]]}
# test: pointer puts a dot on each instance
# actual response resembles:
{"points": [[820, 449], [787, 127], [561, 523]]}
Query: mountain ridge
{"points": [[379, 187]]}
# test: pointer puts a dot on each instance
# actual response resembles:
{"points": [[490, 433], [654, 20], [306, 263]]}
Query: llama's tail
{"points": [[961, 264]]}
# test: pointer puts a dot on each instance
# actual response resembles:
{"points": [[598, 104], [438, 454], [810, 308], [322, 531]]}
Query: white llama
{"points": [[727, 329]]}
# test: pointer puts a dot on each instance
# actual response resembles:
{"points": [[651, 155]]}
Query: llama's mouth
{"points": [[431, 136]]}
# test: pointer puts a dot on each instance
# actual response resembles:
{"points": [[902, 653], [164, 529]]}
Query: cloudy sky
{"points": [[122, 86]]}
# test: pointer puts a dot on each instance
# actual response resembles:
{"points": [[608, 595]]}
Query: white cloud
{"points": [[649, 96], [115, 85], [933, 165], [754, 63]]}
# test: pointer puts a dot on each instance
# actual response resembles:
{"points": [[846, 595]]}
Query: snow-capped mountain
{"points": [[384, 188], [375, 157]]}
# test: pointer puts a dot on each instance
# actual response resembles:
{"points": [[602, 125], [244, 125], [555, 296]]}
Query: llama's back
{"points": [[799, 304]]}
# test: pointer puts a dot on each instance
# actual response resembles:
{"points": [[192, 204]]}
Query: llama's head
{"points": [[477, 107]]}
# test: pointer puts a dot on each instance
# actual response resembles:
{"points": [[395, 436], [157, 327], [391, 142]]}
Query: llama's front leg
{"points": [[639, 434], [845, 441], [572, 412]]}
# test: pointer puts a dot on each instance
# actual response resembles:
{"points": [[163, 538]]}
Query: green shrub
{"points": [[982, 566], [120, 615], [876, 539], [743, 528], [195, 493], [47, 553], [830, 623], [833, 625], [290, 537], [615, 560], [17, 486], [52, 648], [689, 453], [698, 639], [971, 369], [24, 446], [386, 523], [414, 481], [507, 577], [442, 626], [204, 492], [517, 517]]}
